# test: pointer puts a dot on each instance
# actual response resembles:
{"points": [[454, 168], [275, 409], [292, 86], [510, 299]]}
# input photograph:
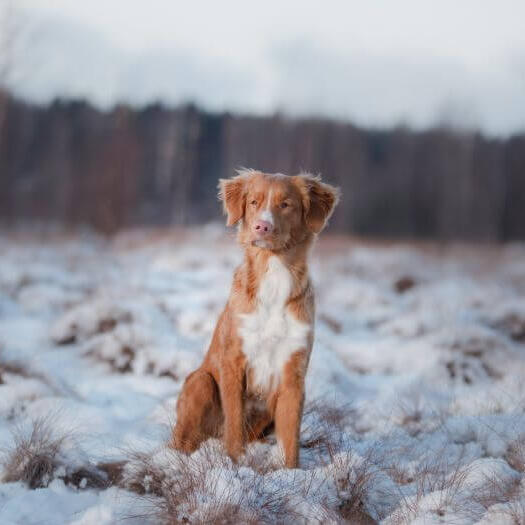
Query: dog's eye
{"points": [[253, 203], [284, 205]]}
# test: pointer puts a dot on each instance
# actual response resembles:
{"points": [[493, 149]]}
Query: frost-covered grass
{"points": [[415, 392]]}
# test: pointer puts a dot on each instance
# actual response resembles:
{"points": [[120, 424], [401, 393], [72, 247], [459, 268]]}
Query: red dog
{"points": [[253, 374]]}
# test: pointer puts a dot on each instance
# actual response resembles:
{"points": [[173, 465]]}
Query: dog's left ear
{"points": [[319, 200], [232, 193]]}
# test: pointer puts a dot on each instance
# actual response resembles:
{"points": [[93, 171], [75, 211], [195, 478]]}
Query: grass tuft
{"points": [[35, 459]]}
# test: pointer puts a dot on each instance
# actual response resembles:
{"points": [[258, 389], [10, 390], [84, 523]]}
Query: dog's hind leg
{"points": [[199, 412], [259, 426]]}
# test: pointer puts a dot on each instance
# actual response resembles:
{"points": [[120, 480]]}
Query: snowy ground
{"points": [[415, 394]]}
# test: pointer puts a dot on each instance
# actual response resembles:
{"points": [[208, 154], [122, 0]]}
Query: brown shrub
{"points": [[436, 474], [25, 371], [121, 363], [34, 459], [324, 426], [353, 482], [403, 284], [513, 325], [180, 489], [515, 455], [496, 490], [13, 368]]}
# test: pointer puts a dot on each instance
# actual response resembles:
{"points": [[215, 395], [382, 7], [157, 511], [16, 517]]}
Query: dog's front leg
{"points": [[289, 409], [232, 378]]}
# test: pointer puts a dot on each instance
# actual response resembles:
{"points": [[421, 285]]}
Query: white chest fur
{"points": [[271, 334]]}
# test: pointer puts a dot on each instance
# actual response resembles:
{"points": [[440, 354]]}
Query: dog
{"points": [[252, 378]]}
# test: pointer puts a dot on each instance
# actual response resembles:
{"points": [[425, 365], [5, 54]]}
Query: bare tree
{"points": [[9, 30]]}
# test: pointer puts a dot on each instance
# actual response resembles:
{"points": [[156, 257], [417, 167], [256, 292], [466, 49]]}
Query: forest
{"points": [[71, 164]]}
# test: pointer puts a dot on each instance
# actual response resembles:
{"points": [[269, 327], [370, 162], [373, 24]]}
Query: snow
{"points": [[415, 391]]}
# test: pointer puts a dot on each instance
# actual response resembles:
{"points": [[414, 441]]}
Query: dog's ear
{"points": [[232, 193], [319, 200]]}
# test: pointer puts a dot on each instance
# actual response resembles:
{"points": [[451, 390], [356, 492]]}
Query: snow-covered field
{"points": [[415, 392]]}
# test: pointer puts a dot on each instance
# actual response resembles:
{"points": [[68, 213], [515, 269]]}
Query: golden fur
{"points": [[224, 397]]}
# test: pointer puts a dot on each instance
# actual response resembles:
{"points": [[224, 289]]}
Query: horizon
{"points": [[449, 127]]}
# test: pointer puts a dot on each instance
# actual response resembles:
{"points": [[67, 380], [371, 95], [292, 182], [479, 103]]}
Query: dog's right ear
{"points": [[232, 193]]}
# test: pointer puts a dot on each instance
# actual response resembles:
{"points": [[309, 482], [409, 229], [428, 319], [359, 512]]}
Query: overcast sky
{"points": [[376, 62]]}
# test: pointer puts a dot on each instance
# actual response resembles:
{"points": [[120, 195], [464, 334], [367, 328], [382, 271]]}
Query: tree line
{"points": [[72, 164]]}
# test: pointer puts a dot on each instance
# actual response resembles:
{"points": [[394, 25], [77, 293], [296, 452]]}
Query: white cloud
{"points": [[376, 62], [387, 89]]}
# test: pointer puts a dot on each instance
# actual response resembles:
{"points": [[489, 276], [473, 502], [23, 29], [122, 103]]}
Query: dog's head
{"points": [[275, 211]]}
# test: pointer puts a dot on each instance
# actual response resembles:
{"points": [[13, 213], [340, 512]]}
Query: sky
{"points": [[377, 63]]}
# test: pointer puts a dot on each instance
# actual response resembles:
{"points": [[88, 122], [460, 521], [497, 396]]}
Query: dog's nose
{"points": [[262, 228]]}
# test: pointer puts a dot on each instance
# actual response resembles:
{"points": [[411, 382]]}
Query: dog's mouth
{"points": [[269, 244], [262, 243]]}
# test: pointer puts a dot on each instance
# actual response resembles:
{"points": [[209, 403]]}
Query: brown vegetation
{"points": [[34, 459], [73, 164]]}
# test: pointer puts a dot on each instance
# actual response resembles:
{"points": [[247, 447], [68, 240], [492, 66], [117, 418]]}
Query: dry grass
{"points": [[435, 475], [12, 368], [121, 363], [353, 481], [20, 369], [324, 425], [35, 459], [457, 501], [496, 490], [513, 325], [500, 495], [403, 284], [515, 511], [122, 360], [17, 368], [202, 489], [207, 487], [120, 349], [515, 455], [411, 413], [106, 324], [115, 348]]}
